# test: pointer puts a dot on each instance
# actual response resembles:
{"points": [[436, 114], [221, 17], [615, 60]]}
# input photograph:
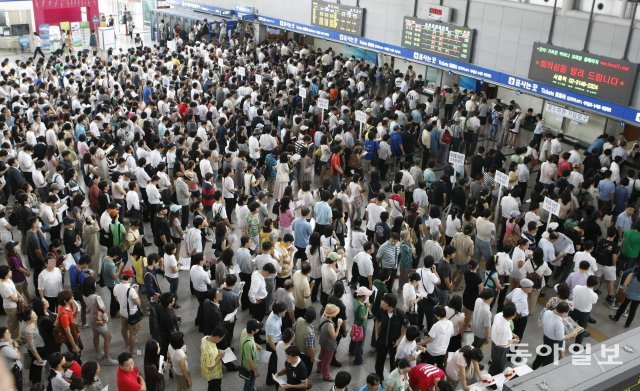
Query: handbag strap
{"points": [[128, 313]]}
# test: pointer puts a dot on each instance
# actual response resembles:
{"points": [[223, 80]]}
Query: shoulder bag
{"points": [[135, 318]]}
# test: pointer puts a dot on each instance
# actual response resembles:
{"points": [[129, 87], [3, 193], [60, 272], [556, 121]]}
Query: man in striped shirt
{"points": [[388, 257]]}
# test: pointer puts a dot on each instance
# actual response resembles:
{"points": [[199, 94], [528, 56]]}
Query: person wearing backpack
{"points": [[536, 270]]}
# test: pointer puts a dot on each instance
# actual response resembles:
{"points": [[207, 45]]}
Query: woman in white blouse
{"points": [[329, 276], [200, 279], [518, 259], [535, 264]]}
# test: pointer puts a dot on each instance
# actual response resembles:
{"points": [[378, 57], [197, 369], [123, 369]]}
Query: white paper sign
{"points": [[456, 158], [502, 179], [361, 116], [230, 316], [220, 62], [258, 79], [229, 356], [572, 115], [551, 206], [302, 92], [264, 355], [241, 71], [323, 103]]}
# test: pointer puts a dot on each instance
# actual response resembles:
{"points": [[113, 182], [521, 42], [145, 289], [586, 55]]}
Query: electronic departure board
{"points": [[442, 39], [602, 77], [338, 17]]}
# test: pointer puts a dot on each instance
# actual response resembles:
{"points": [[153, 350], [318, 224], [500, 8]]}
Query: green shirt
{"points": [[359, 313], [247, 349], [397, 381], [253, 225], [631, 243], [108, 270]]}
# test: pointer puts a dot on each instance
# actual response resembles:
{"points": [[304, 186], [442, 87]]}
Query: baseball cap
{"points": [[10, 245], [526, 283], [113, 212], [364, 291], [128, 272]]}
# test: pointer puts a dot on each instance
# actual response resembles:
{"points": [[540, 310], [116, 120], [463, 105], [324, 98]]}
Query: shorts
{"points": [[102, 330], [131, 328], [176, 240], [608, 271]]}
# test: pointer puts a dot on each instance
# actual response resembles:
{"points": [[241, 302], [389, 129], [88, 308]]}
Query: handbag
{"points": [[357, 333], [621, 296], [432, 297], [245, 374], [135, 318]]}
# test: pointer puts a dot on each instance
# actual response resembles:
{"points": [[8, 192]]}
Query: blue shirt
{"points": [[370, 147], [301, 231], [80, 130], [146, 94], [366, 388], [606, 188], [322, 212], [76, 277], [273, 327], [621, 197], [596, 144]]}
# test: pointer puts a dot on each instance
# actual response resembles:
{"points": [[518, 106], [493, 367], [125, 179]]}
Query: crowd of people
{"points": [[132, 169]]}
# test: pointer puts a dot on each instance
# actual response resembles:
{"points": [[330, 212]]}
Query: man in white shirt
{"points": [[153, 195], [258, 291], [254, 145], [584, 297], [50, 283], [502, 338], [129, 300], [372, 214], [439, 336], [586, 255], [427, 289], [520, 298], [364, 262]]}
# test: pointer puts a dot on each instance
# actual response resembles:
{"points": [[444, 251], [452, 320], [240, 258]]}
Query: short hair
{"points": [[439, 311], [562, 307], [219, 331], [390, 299], [124, 357], [509, 310], [310, 315], [592, 281], [343, 378], [584, 265], [292, 351], [373, 379], [487, 293], [279, 307], [4, 271], [412, 333]]}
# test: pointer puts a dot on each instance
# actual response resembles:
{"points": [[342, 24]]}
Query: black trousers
{"points": [[582, 319], [425, 309], [244, 299], [519, 325], [258, 310], [381, 356], [229, 206], [498, 359], [438, 361], [552, 355]]}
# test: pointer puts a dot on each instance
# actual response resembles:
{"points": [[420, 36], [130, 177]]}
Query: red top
{"points": [[183, 109], [335, 163], [423, 376], [128, 381], [76, 369], [65, 316]]}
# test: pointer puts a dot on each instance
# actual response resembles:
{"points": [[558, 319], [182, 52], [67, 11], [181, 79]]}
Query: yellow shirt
{"points": [[208, 354], [139, 264], [284, 259]]}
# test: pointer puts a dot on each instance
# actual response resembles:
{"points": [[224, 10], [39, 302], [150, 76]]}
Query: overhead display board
{"points": [[338, 17], [589, 74], [443, 39]]}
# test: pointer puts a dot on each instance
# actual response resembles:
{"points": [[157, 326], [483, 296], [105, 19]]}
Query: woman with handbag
{"points": [[359, 328], [328, 337], [11, 298], [179, 364], [631, 288], [66, 329], [11, 355], [97, 319]]}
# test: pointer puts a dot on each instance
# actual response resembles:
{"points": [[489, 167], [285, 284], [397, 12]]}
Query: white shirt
{"points": [[519, 298], [153, 194], [501, 331], [373, 211], [542, 270], [428, 281], [365, 263], [193, 241], [8, 289], [120, 292], [50, 282], [585, 256], [409, 296], [258, 290], [509, 204], [584, 298], [25, 162], [227, 186], [170, 262], [133, 201], [441, 331], [406, 349], [205, 167], [200, 278]]}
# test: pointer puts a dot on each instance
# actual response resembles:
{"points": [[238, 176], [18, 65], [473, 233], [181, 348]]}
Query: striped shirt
{"points": [[388, 254]]}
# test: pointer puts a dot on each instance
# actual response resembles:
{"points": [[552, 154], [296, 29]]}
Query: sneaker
{"points": [[137, 353], [107, 361], [612, 317]]}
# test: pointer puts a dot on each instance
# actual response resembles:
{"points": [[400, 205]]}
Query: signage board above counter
{"points": [[585, 73], [444, 39], [338, 17]]}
